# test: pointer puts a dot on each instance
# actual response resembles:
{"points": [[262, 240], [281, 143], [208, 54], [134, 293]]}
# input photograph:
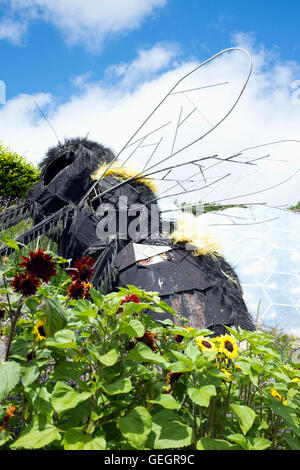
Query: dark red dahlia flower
{"points": [[78, 290], [25, 283], [39, 264], [178, 338], [173, 377], [130, 298], [84, 270], [149, 339], [9, 414]]}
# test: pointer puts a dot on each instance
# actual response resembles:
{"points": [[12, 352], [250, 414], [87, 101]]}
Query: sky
{"points": [[99, 67]]}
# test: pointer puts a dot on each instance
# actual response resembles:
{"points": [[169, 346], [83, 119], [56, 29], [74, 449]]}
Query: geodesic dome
{"points": [[263, 245]]}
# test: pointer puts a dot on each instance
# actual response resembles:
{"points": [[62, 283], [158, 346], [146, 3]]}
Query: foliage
{"points": [[201, 206], [16, 175], [295, 208], [99, 373]]}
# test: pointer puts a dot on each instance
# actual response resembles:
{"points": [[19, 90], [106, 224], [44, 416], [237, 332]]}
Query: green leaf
{"points": [[55, 315], [110, 358], [206, 443], [4, 437], [287, 413], [246, 367], [259, 443], [32, 303], [39, 433], [69, 370], [169, 431], [192, 351], [75, 439], [256, 443], [268, 353], [134, 328], [97, 297], [167, 401], [11, 243], [85, 309], [245, 416], [41, 399], [239, 439], [202, 395], [4, 268], [180, 366], [136, 426], [120, 386], [30, 375], [131, 307], [19, 349], [65, 398], [293, 442], [10, 373], [166, 307], [142, 352], [63, 339]]}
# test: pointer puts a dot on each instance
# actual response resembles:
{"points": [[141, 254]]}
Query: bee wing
{"points": [[192, 109]]}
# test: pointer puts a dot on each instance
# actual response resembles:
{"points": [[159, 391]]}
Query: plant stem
{"points": [[225, 411], [211, 416], [200, 418], [275, 432], [195, 426], [14, 321]]}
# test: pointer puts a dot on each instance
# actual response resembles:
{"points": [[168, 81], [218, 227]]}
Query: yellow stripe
{"points": [[189, 230], [124, 173]]}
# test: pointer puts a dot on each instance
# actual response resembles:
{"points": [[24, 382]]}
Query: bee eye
{"points": [[59, 164]]}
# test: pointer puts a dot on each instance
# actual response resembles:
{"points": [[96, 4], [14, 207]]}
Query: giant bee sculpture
{"points": [[87, 201]]}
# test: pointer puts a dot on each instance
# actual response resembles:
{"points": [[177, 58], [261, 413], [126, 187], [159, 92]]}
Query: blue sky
{"points": [[97, 68], [41, 60]]}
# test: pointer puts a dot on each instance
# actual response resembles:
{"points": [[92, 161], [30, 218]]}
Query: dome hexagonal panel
{"points": [[263, 245]]}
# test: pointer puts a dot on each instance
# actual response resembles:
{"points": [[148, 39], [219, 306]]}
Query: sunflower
{"points": [[277, 395], [39, 331], [39, 264], [84, 270], [179, 338], [205, 344], [228, 346], [227, 373], [78, 290], [25, 283]]}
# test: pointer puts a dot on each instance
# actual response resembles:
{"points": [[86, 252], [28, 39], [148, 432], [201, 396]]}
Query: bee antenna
{"points": [[47, 120]]}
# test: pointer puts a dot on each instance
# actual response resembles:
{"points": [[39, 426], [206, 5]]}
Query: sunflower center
{"points": [[229, 346], [206, 344], [41, 331]]}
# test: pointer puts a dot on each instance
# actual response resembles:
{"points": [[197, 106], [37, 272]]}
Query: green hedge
{"points": [[16, 174]]}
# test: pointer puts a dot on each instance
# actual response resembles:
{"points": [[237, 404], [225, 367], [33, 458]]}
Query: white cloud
{"points": [[110, 111], [12, 31], [147, 63], [86, 22]]}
